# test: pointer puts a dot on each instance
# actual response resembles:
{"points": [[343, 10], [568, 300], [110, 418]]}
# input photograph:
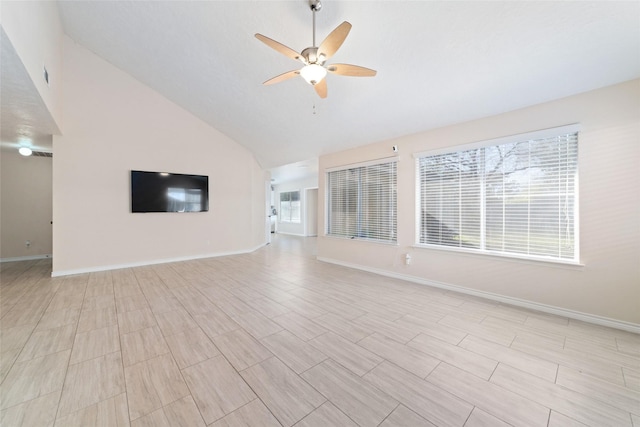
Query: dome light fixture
{"points": [[313, 73], [25, 151]]}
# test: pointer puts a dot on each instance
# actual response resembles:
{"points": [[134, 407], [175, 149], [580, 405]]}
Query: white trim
{"points": [[25, 258], [363, 240], [572, 314], [151, 262], [539, 134], [576, 211], [380, 161], [508, 255]]}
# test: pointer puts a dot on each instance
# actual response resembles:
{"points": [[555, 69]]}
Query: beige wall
{"points": [[35, 31], [114, 124], [607, 286], [25, 205]]}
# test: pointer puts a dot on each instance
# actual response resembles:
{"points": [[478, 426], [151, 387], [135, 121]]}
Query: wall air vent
{"points": [[41, 154]]}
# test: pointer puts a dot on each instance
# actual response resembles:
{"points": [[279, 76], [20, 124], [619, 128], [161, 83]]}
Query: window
{"points": [[516, 198], [290, 206], [361, 202]]}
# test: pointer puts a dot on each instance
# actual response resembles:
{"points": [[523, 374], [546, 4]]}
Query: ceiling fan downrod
{"points": [[316, 6], [310, 54]]}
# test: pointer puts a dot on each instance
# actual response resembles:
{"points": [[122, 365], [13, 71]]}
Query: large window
{"points": [[516, 198], [361, 202], [290, 206]]}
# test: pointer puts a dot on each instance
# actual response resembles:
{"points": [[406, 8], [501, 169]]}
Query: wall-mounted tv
{"points": [[168, 192]]}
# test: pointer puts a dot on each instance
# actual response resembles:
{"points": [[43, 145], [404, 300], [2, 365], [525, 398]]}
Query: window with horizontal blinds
{"points": [[361, 202], [516, 198]]}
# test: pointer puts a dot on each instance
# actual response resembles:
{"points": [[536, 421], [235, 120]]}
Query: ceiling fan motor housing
{"points": [[310, 56]]}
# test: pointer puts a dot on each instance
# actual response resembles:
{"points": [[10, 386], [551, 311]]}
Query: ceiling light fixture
{"points": [[25, 151], [313, 73], [314, 70]]}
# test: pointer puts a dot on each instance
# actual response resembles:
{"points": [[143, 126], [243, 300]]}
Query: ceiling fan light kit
{"points": [[314, 70], [313, 73]]}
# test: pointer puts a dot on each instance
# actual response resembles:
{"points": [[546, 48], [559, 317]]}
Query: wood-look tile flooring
{"points": [[276, 338]]}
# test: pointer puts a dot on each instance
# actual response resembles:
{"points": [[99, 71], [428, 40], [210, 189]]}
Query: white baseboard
{"points": [[25, 258], [585, 317], [150, 262]]}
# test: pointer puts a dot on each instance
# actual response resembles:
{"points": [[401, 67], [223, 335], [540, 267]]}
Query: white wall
{"points": [[35, 31], [608, 285], [113, 124], [298, 229], [25, 206], [311, 212]]}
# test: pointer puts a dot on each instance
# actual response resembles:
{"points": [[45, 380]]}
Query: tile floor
{"points": [[276, 338]]}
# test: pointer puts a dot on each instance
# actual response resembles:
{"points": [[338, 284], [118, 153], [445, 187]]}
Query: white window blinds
{"points": [[361, 202], [515, 198]]}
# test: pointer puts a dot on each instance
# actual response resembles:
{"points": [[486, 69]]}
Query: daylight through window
{"points": [[290, 206], [516, 198], [361, 202]]}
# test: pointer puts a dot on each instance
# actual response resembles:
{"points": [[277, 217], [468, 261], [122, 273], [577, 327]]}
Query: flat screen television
{"points": [[168, 192]]}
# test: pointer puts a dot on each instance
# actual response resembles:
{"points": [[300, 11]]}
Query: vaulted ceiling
{"points": [[438, 63]]}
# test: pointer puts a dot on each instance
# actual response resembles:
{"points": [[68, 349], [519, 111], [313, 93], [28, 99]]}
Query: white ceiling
{"points": [[438, 63], [25, 119]]}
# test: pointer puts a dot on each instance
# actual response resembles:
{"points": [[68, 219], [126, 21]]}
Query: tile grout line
{"points": [[55, 418]]}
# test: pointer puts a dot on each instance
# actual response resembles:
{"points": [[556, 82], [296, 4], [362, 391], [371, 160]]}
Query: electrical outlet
{"points": [[28, 243]]}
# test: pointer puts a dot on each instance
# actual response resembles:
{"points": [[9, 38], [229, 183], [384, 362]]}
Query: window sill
{"points": [[356, 239], [507, 257]]}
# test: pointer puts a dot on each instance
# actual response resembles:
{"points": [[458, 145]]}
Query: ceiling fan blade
{"points": [[286, 51], [351, 70], [332, 43], [282, 77], [321, 88]]}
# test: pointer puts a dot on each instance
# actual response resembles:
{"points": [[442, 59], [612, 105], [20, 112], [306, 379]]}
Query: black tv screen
{"points": [[168, 192]]}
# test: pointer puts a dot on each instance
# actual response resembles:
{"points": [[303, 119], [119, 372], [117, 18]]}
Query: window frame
{"points": [[530, 136]]}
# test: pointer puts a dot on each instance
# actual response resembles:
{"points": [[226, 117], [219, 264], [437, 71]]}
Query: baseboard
{"points": [[577, 315], [151, 262], [25, 258]]}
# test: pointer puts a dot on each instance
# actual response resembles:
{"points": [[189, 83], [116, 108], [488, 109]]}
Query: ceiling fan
{"points": [[314, 70]]}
